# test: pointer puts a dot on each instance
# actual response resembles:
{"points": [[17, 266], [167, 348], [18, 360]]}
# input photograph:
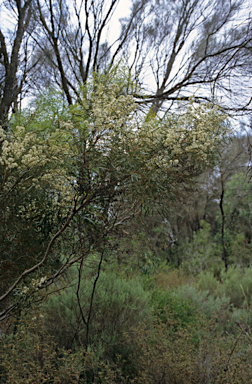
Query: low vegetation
{"points": [[161, 328]]}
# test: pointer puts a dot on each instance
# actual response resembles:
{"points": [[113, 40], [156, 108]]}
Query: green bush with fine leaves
{"points": [[118, 304]]}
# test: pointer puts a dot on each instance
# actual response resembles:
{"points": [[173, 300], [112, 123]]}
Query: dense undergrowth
{"points": [[165, 327]]}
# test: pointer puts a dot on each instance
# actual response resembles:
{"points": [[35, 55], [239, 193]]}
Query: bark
{"points": [[11, 87], [224, 249]]}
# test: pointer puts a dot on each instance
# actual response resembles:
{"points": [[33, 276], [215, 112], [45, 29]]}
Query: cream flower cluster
{"points": [[26, 150], [150, 143], [196, 132], [110, 111], [21, 150], [34, 286], [202, 128], [33, 162]]}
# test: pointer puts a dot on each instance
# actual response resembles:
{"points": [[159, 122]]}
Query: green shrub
{"points": [[246, 286], [237, 285], [168, 277], [201, 254], [197, 355], [227, 302], [210, 358], [118, 304], [207, 282], [205, 303], [231, 286], [30, 355], [179, 309]]}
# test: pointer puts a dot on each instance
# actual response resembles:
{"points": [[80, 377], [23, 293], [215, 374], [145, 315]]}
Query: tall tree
{"points": [[15, 52], [75, 42], [180, 48], [195, 47]]}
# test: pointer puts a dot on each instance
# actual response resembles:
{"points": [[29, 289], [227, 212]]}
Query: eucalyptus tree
{"points": [[195, 47], [74, 43], [173, 48], [177, 47], [15, 52]]}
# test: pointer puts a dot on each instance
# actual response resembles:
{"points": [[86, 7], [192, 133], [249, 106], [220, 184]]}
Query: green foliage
{"points": [[208, 357], [31, 178], [177, 343], [202, 253], [132, 253], [206, 281], [200, 299], [228, 301], [168, 277], [237, 284], [237, 210], [237, 203], [30, 355], [98, 164], [118, 305], [175, 308], [104, 162]]}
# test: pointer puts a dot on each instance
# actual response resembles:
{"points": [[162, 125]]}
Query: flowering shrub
{"points": [[90, 171]]}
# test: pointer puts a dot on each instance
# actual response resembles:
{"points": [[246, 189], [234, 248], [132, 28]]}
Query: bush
{"points": [[201, 254], [179, 309], [201, 354], [168, 277], [30, 355], [186, 357], [208, 305], [118, 304], [207, 282], [237, 284]]}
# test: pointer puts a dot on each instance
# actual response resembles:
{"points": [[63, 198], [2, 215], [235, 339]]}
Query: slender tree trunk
{"points": [[224, 249]]}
